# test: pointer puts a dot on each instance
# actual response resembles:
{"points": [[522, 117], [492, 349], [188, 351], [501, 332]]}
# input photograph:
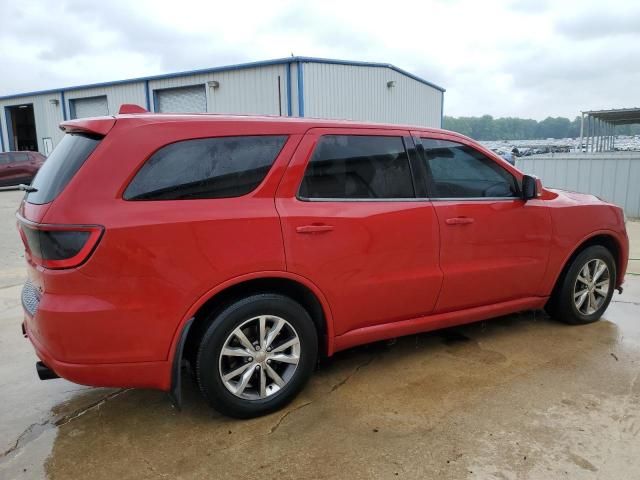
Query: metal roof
{"points": [[619, 116], [240, 66]]}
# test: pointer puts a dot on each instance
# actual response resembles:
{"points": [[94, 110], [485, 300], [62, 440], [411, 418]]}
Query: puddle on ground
{"points": [[519, 395]]}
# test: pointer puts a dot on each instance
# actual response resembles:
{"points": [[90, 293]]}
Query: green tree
{"points": [[512, 128]]}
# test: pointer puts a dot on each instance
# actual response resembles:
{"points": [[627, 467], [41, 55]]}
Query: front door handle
{"points": [[314, 228], [459, 221]]}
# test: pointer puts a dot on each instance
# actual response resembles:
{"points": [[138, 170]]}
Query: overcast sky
{"points": [[525, 58]]}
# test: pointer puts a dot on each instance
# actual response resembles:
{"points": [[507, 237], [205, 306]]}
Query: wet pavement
{"points": [[517, 397]]}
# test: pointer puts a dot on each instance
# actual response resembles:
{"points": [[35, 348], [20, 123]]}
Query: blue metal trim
{"points": [[146, 95], [63, 105], [240, 66], [7, 119], [300, 91], [289, 106], [155, 101]]}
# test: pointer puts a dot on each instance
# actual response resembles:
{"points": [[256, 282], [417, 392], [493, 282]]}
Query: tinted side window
{"points": [[358, 166], [63, 163], [206, 168], [459, 171], [4, 158]]}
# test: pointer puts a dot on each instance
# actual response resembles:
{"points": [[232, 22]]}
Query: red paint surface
{"points": [[378, 269]]}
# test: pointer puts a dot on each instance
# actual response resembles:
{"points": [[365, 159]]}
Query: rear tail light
{"points": [[58, 246]]}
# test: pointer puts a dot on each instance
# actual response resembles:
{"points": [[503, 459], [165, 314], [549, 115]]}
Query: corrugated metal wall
{"points": [[47, 116], [612, 176], [249, 90], [340, 91], [361, 93], [116, 95]]}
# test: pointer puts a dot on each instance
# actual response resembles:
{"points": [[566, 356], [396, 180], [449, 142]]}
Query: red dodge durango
{"points": [[247, 246]]}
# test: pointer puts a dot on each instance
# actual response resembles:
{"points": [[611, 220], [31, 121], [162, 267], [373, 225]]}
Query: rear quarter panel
{"points": [[156, 258]]}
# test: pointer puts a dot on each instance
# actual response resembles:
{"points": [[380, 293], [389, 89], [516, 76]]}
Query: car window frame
{"points": [[427, 179], [409, 146]]}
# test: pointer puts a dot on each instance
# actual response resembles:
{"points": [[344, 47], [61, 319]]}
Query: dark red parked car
{"points": [[19, 167], [247, 246]]}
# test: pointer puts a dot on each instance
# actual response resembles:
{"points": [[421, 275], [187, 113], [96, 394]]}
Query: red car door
{"points": [[352, 225], [494, 245]]}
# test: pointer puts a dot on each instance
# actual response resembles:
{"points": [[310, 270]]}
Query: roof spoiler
{"points": [[94, 126]]}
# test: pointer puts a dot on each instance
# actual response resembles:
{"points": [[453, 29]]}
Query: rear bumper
{"points": [[155, 375]]}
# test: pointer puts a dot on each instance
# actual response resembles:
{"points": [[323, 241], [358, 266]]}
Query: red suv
{"points": [[19, 167], [247, 246]]}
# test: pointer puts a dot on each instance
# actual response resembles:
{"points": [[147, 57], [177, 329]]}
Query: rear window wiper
{"points": [[27, 188]]}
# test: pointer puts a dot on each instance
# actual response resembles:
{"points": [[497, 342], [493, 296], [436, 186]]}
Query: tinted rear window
{"points": [[61, 166], [358, 167], [206, 168]]}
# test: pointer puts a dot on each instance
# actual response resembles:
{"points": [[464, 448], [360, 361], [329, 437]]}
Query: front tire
{"points": [[585, 290], [256, 355]]}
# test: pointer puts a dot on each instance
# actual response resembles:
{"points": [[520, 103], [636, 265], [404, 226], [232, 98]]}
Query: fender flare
{"points": [[174, 355], [622, 246]]}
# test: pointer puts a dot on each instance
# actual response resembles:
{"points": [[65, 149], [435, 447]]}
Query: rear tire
{"points": [[585, 289], [256, 355]]}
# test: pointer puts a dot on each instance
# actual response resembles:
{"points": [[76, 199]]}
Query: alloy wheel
{"points": [[591, 287], [259, 357]]}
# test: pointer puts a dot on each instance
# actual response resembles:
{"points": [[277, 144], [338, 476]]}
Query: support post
{"points": [[613, 137], [599, 134], [581, 133]]}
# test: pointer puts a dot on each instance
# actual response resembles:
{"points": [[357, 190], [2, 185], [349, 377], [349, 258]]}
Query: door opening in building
{"points": [[21, 126]]}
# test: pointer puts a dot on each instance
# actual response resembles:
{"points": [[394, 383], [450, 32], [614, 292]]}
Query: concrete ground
{"points": [[519, 397]]}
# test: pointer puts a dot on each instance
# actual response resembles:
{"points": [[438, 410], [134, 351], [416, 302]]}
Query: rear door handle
{"points": [[314, 228], [459, 221]]}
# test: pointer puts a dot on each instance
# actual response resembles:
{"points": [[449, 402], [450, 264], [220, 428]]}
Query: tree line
{"points": [[510, 128]]}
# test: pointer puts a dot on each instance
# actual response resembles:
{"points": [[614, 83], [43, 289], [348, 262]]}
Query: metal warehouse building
{"points": [[294, 86]]}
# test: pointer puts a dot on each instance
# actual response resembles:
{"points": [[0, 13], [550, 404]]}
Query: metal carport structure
{"points": [[601, 125]]}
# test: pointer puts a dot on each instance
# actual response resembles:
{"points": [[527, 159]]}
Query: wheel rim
{"points": [[592, 286], [259, 357]]}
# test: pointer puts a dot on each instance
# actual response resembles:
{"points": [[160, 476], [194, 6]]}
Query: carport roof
{"points": [[619, 116]]}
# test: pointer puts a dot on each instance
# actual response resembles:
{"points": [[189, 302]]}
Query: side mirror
{"points": [[531, 187]]}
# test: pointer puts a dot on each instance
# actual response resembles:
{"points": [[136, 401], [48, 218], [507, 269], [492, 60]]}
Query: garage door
{"points": [[89, 107], [182, 100]]}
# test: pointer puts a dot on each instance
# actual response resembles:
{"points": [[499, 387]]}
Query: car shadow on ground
{"points": [[408, 386]]}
